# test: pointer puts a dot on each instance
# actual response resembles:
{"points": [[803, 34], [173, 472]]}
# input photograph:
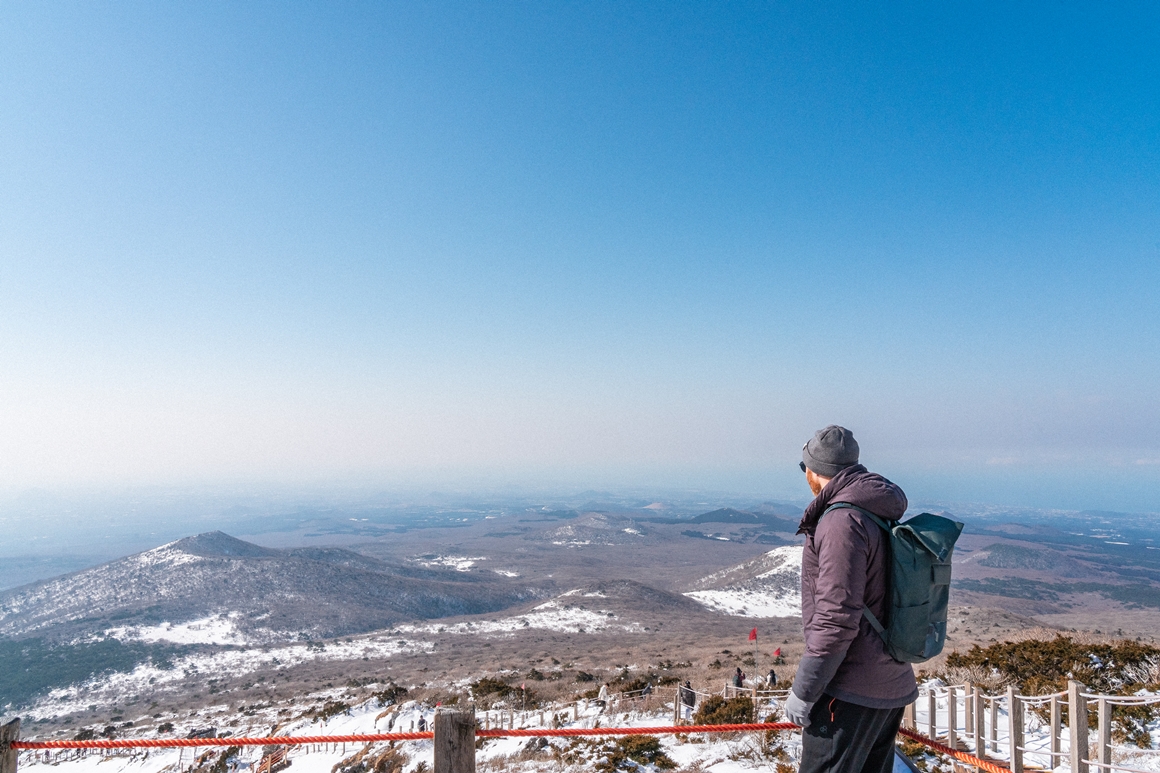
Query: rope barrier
{"points": [[167, 743], [970, 759], [563, 732], [161, 743]]}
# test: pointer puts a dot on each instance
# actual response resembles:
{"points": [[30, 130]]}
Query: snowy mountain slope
{"points": [[768, 586], [590, 610], [249, 593]]}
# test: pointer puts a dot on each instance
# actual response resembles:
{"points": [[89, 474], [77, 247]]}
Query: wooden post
{"points": [[1077, 726], [932, 715], [1015, 729], [980, 731], [995, 725], [1056, 725], [1104, 733], [454, 742], [952, 716], [980, 723], [968, 709], [9, 756], [908, 715]]}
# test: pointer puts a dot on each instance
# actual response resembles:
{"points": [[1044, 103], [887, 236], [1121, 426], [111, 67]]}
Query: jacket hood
{"points": [[858, 486]]}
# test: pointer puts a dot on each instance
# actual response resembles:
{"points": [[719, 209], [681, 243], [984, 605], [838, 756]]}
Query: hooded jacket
{"points": [[845, 565]]}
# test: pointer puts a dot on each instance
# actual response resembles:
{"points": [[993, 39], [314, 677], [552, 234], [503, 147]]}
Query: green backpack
{"points": [[915, 628]]}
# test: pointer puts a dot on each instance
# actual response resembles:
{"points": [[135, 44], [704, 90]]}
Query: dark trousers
{"points": [[847, 738]]}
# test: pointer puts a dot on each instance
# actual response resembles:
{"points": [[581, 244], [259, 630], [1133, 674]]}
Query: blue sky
{"points": [[608, 244]]}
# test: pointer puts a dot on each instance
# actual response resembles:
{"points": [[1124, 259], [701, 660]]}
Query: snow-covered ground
{"points": [[215, 629], [110, 689], [736, 753], [749, 603], [553, 615], [559, 614], [458, 563], [773, 591]]}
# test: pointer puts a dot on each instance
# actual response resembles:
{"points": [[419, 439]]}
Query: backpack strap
{"points": [[866, 613], [862, 510]]}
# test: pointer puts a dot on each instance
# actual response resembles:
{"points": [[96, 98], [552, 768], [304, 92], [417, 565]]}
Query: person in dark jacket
{"points": [[688, 700], [848, 693], [738, 678]]}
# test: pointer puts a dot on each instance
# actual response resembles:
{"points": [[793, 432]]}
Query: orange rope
{"points": [[664, 730], [165, 743], [970, 759], [286, 740]]}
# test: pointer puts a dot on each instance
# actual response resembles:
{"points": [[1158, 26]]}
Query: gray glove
{"points": [[797, 710]]}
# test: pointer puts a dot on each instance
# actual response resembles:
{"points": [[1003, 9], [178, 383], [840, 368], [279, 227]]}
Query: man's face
{"points": [[817, 482]]}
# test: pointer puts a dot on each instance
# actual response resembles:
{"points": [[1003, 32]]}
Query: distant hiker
{"points": [[602, 697], [771, 680], [422, 724], [647, 691], [848, 693], [688, 700], [739, 678]]}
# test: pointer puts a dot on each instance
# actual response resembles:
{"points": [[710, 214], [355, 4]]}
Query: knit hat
{"points": [[830, 450]]}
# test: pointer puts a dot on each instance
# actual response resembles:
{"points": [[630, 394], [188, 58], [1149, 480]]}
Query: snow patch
{"points": [[215, 629], [458, 563], [774, 591], [167, 555]]}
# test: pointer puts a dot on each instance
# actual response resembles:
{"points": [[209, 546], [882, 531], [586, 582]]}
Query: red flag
{"points": [[753, 635], [777, 652]]}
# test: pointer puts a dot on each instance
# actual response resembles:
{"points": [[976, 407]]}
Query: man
{"points": [[848, 693], [688, 701]]}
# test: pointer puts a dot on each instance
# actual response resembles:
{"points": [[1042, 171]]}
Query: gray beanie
{"points": [[831, 450]]}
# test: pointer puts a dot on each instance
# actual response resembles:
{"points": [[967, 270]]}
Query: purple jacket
{"points": [[845, 564]]}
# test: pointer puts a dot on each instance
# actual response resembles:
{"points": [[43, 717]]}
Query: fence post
{"points": [[980, 731], [932, 715], [1015, 729], [1077, 726], [952, 716], [968, 709], [454, 742], [1104, 732], [9, 756], [995, 724], [908, 715], [1056, 724]]}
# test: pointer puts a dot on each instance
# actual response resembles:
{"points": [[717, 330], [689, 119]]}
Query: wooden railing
{"points": [[995, 726]]}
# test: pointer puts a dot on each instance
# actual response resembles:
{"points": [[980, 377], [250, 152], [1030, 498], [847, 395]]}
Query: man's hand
{"points": [[797, 710]]}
